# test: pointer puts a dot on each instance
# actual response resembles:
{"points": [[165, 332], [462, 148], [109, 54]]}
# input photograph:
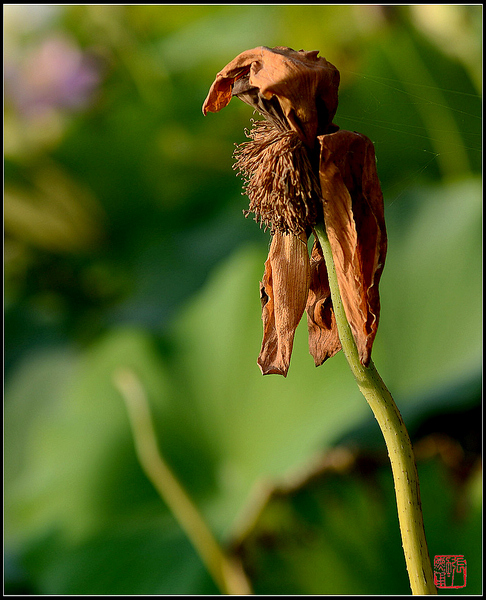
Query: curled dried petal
{"points": [[284, 292], [354, 219], [305, 85]]}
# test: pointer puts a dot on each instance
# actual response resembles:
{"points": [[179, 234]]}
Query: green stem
{"points": [[396, 438], [226, 571]]}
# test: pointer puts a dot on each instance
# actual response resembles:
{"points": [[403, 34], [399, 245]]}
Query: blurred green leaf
{"points": [[63, 464], [431, 289], [124, 561]]}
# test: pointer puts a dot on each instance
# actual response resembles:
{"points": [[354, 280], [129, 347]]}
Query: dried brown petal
{"points": [[354, 219], [321, 322], [284, 292], [305, 85]]}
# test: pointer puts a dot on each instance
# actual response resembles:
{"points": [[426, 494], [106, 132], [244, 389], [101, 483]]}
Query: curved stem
{"points": [[227, 572], [396, 438]]}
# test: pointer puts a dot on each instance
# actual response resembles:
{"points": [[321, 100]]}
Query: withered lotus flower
{"points": [[299, 170]]}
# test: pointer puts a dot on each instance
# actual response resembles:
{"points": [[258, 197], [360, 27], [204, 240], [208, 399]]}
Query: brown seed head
{"points": [[279, 180]]}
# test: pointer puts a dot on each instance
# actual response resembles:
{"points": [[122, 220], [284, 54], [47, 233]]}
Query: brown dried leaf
{"points": [[284, 292], [354, 219], [321, 322]]}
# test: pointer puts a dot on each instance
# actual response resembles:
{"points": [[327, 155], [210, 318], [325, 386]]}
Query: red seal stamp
{"points": [[450, 571]]}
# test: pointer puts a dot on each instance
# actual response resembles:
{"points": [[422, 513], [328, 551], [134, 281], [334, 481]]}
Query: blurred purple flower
{"points": [[55, 75]]}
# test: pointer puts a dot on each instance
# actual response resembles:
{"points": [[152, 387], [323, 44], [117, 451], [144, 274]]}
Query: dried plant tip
{"points": [[278, 179], [299, 170]]}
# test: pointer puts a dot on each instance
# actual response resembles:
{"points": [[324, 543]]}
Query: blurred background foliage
{"points": [[125, 246]]}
